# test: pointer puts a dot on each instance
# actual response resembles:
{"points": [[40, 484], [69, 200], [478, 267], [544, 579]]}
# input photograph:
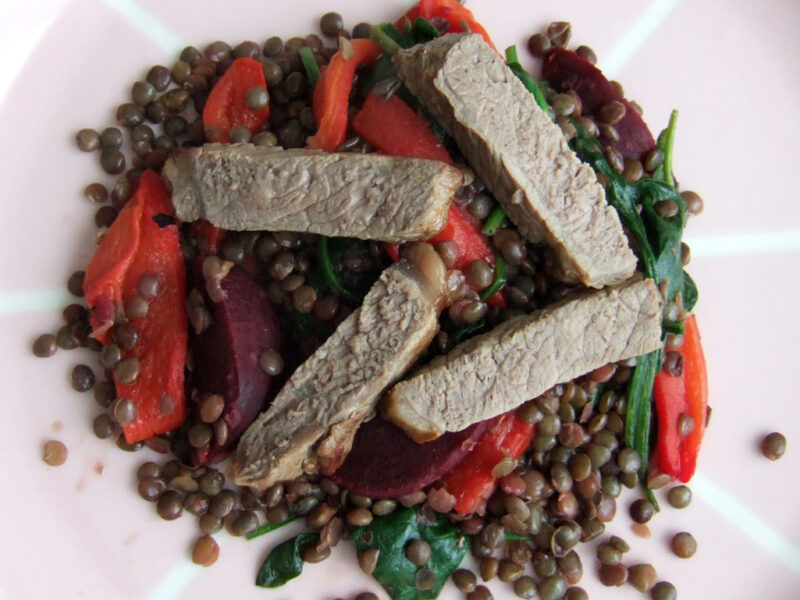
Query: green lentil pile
{"points": [[562, 491]]}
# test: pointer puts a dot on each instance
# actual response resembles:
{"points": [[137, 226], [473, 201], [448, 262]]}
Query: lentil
{"points": [[773, 446], [613, 575], [87, 140], [539, 45], [559, 33], [45, 345], [222, 504], [368, 559], [170, 505], [642, 511], [82, 378], [664, 590], [552, 588], [465, 580], [54, 453], [124, 411], [684, 545], [576, 593], [642, 577], [480, 592], [151, 488], [103, 426], [127, 370], [205, 551]]}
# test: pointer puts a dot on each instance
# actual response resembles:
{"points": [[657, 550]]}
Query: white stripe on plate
{"points": [[35, 301], [147, 24], [746, 521], [636, 37], [18, 42], [745, 243], [176, 581]]}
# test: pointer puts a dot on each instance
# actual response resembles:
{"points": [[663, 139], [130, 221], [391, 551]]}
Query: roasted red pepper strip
{"points": [[144, 241], [105, 274], [687, 394], [227, 103], [450, 10], [471, 481], [159, 389], [565, 70], [396, 129], [332, 95]]}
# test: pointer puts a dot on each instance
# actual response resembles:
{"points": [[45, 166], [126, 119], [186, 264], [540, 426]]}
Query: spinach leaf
{"points": [[658, 241], [392, 533], [330, 273], [423, 31], [285, 561], [390, 38], [658, 238]]}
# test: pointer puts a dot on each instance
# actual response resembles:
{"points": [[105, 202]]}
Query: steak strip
{"points": [[522, 358], [521, 156], [368, 196], [310, 425]]}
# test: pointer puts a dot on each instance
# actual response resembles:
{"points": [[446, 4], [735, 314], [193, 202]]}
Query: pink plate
{"points": [[731, 67]]}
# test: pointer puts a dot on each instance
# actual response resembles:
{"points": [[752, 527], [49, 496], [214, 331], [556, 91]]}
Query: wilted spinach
{"points": [[658, 241], [392, 533], [285, 561]]}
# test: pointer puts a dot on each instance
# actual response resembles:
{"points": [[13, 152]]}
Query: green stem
{"points": [[499, 279], [310, 65], [494, 220], [638, 412], [667, 145], [387, 44], [512, 59], [267, 527], [330, 274]]}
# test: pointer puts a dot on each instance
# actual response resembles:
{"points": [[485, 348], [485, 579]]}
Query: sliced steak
{"points": [[310, 424], [520, 154], [520, 359], [366, 196]]}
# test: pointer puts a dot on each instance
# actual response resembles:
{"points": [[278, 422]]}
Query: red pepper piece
{"points": [[564, 70], [464, 229], [105, 274], [332, 95], [450, 10], [227, 103], [687, 394], [396, 129], [471, 481], [209, 236], [159, 389]]}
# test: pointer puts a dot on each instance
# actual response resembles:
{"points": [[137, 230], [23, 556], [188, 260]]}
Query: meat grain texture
{"points": [[525, 356], [521, 156], [310, 425], [368, 196]]}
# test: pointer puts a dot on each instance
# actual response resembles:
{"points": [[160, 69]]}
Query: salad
{"points": [[200, 322]]}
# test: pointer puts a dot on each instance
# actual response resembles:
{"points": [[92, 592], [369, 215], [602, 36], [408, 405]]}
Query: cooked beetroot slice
{"points": [[564, 70], [226, 357], [385, 463]]}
